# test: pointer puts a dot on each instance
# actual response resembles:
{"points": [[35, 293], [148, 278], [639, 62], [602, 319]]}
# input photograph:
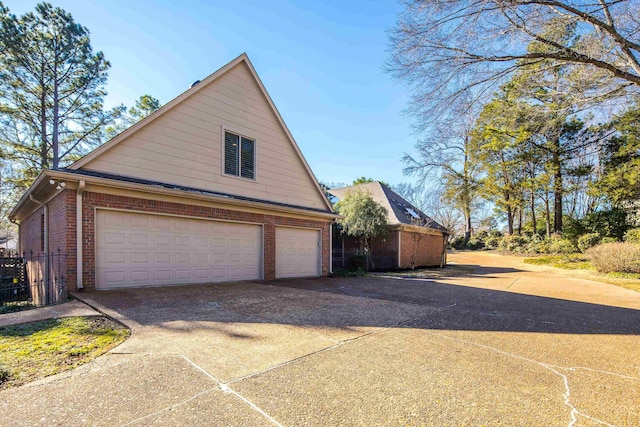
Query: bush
{"points": [[482, 235], [458, 243], [609, 240], [475, 244], [632, 236], [615, 257], [492, 242], [537, 245], [513, 243], [562, 246], [4, 374], [610, 223], [358, 262], [588, 240]]}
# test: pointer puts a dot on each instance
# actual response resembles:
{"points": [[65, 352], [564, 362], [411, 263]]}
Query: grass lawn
{"points": [[35, 350], [12, 307], [579, 266], [567, 262]]}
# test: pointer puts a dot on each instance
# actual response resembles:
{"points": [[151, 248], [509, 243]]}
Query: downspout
{"points": [[399, 248], [331, 246], [79, 237], [46, 221], [45, 208]]}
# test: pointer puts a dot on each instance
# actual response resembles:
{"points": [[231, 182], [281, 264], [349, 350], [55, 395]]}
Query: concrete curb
{"points": [[72, 308]]}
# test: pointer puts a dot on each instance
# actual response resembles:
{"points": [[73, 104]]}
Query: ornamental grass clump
{"points": [[615, 257]]}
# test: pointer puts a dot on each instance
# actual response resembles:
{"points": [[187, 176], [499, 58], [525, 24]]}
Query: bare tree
{"points": [[447, 154], [448, 48], [432, 202]]}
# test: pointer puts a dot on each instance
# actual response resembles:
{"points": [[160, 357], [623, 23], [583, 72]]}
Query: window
{"points": [[412, 213], [239, 155]]}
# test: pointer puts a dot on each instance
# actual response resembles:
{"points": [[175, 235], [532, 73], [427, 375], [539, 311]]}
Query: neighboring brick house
{"points": [[211, 187], [413, 238]]}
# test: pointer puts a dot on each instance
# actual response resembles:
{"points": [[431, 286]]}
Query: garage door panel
{"points": [[139, 276], [297, 252], [135, 249], [183, 275], [183, 258]]}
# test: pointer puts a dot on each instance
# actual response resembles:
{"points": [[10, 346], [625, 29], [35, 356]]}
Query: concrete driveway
{"points": [[499, 346]]}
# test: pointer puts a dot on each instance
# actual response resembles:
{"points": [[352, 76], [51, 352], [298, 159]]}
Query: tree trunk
{"points": [[547, 216], [44, 161], [510, 220], [507, 198], [56, 112], [467, 226], [557, 192], [519, 221], [534, 223]]}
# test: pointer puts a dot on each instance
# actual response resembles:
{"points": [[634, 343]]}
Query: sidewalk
{"points": [[68, 309]]}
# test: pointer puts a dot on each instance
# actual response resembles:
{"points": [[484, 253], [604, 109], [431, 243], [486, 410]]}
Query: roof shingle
{"points": [[399, 211]]}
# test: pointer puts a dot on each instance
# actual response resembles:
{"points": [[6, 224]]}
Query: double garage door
{"points": [[136, 249]]}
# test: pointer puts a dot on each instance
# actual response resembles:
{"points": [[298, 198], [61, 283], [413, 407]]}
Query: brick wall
{"points": [[426, 248], [92, 200], [31, 233], [62, 235], [62, 247]]}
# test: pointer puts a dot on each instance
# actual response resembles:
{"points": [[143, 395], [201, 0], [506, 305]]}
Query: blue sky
{"points": [[320, 61]]}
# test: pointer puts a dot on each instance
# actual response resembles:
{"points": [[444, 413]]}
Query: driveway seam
{"points": [[165, 409], [338, 344], [553, 368], [322, 350], [225, 387]]}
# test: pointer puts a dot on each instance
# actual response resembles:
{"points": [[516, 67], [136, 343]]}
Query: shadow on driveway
{"points": [[364, 302]]}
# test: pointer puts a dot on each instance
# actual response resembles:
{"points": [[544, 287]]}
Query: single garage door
{"points": [[135, 249], [297, 252]]}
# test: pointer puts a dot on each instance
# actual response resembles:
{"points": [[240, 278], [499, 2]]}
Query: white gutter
{"points": [[151, 189], [79, 237]]}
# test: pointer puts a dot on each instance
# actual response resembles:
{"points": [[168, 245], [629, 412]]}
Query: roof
{"points": [[77, 166], [243, 58], [150, 183], [44, 191], [399, 211]]}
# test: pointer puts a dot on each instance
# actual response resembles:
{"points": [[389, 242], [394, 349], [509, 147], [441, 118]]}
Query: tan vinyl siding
{"points": [[184, 145]]}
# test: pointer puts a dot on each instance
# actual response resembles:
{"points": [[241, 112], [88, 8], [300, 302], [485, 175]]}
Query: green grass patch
{"points": [[35, 350], [577, 265], [626, 280], [629, 276], [566, 262], [12, 307]]}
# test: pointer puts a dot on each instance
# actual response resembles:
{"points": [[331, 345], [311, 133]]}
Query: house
{"points": [[211, 187], [8, 243], [413, 239]]}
